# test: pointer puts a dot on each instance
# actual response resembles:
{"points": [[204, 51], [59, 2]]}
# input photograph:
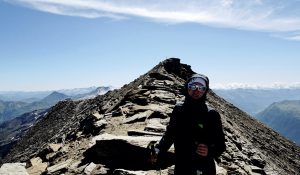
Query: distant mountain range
{"points": [[277, 108], [30, 101], [283, 117], [31, 96], [11, 109], [255, 100], [93, 93], [17, 117]]}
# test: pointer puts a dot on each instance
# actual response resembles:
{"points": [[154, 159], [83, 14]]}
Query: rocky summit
{"points": [[109, 134]]}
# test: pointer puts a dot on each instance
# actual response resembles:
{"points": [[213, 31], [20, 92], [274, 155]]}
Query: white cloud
{"points": [[260, 15], [295, 36], [256, 86]]}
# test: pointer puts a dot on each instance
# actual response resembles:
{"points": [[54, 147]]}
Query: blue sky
{"points": [[60, 44]]}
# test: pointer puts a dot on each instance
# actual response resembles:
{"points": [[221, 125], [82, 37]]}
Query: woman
{"points": [[195, 130]]}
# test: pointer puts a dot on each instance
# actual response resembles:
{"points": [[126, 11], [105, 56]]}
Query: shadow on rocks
{"points": [[119, 154]]}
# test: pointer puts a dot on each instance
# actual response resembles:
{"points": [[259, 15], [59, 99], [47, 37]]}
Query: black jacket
{"points": [[192, 123]]}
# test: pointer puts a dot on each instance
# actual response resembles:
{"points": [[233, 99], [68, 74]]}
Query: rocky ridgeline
{"points": [[109, 134], [11, 131]]}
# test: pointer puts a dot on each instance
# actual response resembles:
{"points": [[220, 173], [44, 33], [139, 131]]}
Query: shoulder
{"points": [[213, 113], [178, 109], [178, 106], [210, 109]]}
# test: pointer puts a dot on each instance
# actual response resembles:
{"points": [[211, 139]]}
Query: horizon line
{"points": [[226, 86]]}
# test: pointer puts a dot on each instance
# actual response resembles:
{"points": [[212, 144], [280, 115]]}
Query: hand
{"points": [[202, 150], [153, 158]]}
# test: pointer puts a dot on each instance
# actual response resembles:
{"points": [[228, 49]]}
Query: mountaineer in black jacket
{"points": [[195, 130]]}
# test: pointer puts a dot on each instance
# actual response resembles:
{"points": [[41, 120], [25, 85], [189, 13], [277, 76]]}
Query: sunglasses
{"points": [[194, 87]]}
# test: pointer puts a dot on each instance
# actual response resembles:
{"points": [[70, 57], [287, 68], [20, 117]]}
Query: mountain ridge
{"points": [[13, 130], [254, 101], [38, 95], [251, 146], [283, 117], [12, 109]]}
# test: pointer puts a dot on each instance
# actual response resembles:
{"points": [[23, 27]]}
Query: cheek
{"points": [[190, 92], [195, 94]]}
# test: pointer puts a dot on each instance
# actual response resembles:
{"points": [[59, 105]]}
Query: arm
{"points": [[216, 149], [168, 138]]}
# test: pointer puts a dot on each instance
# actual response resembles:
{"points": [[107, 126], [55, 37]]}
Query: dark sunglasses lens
{"points": [[192, 87], [195, 87], [202, 88]]}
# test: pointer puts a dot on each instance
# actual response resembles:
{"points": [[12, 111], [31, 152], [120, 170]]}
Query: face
{"points": [[196, 90]]}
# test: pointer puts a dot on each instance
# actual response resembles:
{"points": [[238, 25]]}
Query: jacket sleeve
{"points": [[218, 146], [168, 138]]}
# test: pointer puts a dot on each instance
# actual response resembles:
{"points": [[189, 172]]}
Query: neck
{"points": [[190, 102]]}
